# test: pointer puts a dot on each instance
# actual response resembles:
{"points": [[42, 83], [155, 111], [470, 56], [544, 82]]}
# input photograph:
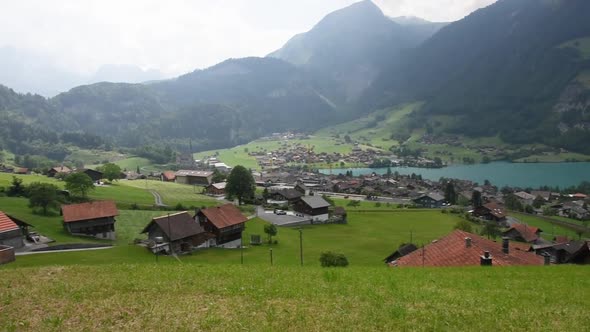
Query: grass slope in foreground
{"points": [[175, 296]]}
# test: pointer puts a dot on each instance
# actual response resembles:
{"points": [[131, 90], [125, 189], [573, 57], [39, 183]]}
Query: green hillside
{"points": [[176, 296]]}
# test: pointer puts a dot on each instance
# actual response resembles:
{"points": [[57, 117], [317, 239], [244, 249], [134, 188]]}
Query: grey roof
{"points": [[194, 173], [315, 202]]}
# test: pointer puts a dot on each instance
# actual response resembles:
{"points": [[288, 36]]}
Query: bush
{"points": [[179, 207], [464, 225], [329, 259]]}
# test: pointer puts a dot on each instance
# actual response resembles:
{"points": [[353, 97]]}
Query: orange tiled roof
{"points": [[528, 233], [6, 224], [87, 211], [452, 250]]}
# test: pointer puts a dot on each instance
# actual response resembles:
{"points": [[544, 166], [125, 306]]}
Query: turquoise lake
{"points": [[499, 174]]}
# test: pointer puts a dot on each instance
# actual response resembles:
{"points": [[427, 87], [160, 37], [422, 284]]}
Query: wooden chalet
{"points": [[285, 195], [569, 252], [95, 175], [315, 206], [432, 200], [179, 231], [59, 170], [225, 222], [490, 211], [523, 233], [22, 170], [96, 219], [216, 189], [460, 248], [201, 178]]}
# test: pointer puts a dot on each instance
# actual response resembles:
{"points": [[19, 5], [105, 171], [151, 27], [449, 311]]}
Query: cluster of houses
{"points": [[460, 248], [300, 153]]}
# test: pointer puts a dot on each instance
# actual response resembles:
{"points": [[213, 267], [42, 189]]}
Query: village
{"points": [[289, 197]]}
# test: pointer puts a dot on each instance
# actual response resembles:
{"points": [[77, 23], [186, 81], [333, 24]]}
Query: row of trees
{"points": [[43, 197]]}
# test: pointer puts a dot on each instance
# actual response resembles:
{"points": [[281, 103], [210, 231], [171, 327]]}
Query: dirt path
{"points": [[157, 198]]}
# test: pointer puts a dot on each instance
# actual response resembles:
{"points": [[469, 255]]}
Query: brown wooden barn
{"points": [[96, 219], [179, 231], [226, 222]]}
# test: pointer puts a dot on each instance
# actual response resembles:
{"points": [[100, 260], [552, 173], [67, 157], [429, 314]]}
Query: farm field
{"points": [[143, 296], [174, 193]]}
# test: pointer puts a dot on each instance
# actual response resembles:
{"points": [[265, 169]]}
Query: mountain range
{"points": [[519, 69]]}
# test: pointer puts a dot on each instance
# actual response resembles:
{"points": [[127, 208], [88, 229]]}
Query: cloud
{"points": [[435, 11], [177, 36]]}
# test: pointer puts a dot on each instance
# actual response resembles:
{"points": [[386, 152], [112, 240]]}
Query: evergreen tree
{"points": [[450, 194], [476, 199]]}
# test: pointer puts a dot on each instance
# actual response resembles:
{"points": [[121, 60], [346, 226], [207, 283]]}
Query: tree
{"points": [[43, 195], [491, 229], [476, 199], [240, 184], [464, 225], [538, 202], [16, 187], [329, 259], [111, 171], [270, 230], [450, 195], [79, 184], [512, 202], [218, 176]]}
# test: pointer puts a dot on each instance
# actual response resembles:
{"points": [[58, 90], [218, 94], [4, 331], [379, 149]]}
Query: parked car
{"points": [[281, 212]]}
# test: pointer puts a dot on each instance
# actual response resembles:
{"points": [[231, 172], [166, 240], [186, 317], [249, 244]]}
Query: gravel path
{"points": [[157, 198]]}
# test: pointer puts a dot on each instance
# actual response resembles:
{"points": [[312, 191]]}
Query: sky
{"points": [[178, 36]]}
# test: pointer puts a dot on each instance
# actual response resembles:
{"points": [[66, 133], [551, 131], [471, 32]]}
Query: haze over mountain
{"points": [[518, 68], [27, 71]]}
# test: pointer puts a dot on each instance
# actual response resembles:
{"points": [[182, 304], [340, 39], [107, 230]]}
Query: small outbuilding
{"points": [[216, 189]]}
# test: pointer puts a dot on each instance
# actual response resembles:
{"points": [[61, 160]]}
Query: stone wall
{"points": [[6, 254]]}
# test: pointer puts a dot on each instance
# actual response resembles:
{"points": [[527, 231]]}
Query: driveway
{"points": [[279, 220]]}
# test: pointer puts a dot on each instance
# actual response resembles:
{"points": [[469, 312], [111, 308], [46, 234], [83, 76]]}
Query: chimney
{"points": [[505, 245], [467, 242], [486, 259]]}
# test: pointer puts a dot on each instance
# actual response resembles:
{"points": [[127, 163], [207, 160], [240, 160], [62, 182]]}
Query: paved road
{"points": [[64, 250], [279, 220], [157, 198]]}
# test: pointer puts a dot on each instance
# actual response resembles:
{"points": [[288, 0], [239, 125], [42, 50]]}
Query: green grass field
{"points": [[174, 193], [366, 240], [183, 297], [549, 230]]}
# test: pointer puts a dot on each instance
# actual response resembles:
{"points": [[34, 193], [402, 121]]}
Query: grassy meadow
{"points": [[173, 296]]}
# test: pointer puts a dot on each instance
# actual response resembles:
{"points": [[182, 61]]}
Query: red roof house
{"points": [[168, 176], [460, 248], [95, 219], [225, 221], [523, 233]]}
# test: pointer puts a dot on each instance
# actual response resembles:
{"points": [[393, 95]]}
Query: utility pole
{"points": [[169, 236], [301, 245], [241, 252], [270, 256]]}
